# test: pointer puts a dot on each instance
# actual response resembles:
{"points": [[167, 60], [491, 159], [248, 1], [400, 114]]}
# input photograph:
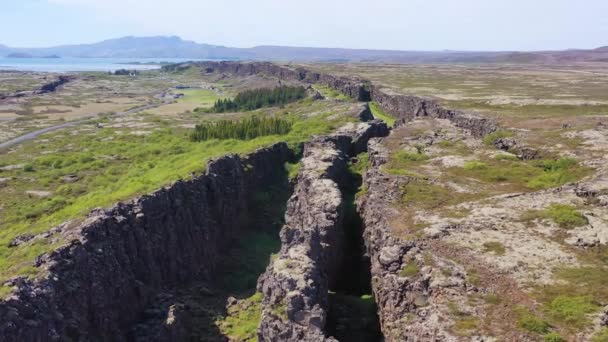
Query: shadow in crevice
{"points": [[196, 310], [352, 315]]}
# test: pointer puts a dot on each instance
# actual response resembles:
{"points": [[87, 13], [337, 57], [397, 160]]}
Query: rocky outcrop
{"points": [[295, 285], [96, 286], [404, 107], [408, 107], [53, 85]]}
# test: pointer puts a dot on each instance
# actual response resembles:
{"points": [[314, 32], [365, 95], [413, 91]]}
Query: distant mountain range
{"points": [[175, 47]]}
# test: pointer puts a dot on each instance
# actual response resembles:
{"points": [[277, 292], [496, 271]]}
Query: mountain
{"points": [[175, 47]]}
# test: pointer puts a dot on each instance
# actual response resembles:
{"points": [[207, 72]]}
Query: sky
{"points": [[376, 24]]}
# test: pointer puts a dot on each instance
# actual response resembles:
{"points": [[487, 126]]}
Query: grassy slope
{"points": [[112, 166]]}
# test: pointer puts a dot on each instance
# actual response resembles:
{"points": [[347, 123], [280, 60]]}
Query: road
{"points": [[36, 133]]}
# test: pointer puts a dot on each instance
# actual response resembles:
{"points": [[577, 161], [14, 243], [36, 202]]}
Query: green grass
{"points": [[523, 175], [532, 323], [201, 97], [293, 169], [401, 161], [491, 138], [601, 336], [409, 270], [553, 337], [112, 167], [426, 195], [565, 216], [572, 310], [242, 325], [330, 93], [379, 113]]}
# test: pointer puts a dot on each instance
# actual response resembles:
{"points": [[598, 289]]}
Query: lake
{"points": [[83, 64]]}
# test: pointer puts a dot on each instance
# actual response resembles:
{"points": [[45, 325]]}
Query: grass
{"points": [[464, 323], [565, 216], [491, 138], [424, 194], [293, 169], [242, 324], [571, 310], [601, 336], [111, 167], [330, 93], [401, 161], [532, 323], [494, 247], [523, 175], [409, 270], [379, 113]]}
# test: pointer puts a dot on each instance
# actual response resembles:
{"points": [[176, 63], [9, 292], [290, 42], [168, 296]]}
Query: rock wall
{"points": [[295, 285], [404, 107], [96, 286]]}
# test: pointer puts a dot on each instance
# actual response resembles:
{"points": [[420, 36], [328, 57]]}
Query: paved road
{"points": [[34, 134]]}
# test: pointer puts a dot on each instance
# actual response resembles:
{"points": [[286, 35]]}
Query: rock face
{"points": [[295, 285], [404, 107], [96, 286]]}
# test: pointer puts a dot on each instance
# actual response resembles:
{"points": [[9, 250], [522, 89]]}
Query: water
{"points": [[83, 64]]}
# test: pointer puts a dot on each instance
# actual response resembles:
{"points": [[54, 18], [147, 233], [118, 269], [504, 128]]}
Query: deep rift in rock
{"points": [[98, 285], [296, 284], [403, 107]]}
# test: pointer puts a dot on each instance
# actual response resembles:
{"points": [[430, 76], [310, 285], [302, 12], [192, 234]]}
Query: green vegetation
{"points": [[259, 98], [242, 321], [409, 270], [553, 337], [491, 138], [379, 113], [464, 323], [401, 160], [572, 310], [601, 336], [111, 166], [293, 169], [529, 322], [331, 93], [493, 298], [426, 195], [245, 129], [494, 247], [361, 165], [535, 175], [565, 216]]}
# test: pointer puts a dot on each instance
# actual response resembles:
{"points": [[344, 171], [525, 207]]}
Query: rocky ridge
{"points": [[404, 107], [95, 287], [296, 283]]}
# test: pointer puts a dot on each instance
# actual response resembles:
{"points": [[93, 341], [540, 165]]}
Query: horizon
{"points": [[414, 25], [284, 46]]}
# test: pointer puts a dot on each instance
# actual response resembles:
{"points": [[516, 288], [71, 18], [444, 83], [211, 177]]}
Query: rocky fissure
{"points": [[118, 260], [403, 107], [297, 282]]}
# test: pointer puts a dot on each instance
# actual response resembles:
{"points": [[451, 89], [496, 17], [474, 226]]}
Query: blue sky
{"points": [[378, 24]]}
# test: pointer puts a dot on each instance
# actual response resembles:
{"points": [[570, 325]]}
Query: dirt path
{"points": [[36, 133]]}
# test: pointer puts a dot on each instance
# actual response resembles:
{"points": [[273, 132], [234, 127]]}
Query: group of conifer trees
{"points": [[259, 98], [244, 129]]}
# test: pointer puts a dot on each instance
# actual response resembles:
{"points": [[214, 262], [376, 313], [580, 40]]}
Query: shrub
{"points": [[28, 168]]}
